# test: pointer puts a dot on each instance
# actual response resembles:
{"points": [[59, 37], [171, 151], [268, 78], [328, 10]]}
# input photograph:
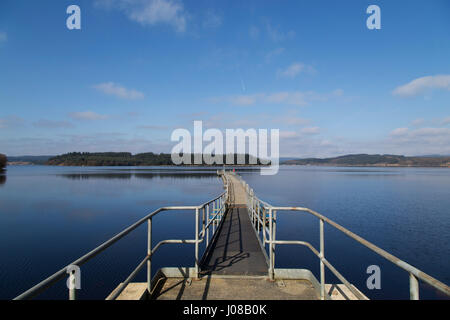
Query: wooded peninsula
{"points": [[375, 160], [128, 159], [3, 161]]}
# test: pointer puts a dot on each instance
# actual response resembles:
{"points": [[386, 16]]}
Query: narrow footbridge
{"points": [[238, 231]]}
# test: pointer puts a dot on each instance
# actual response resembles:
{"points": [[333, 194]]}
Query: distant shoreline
{"points": [[124, 159], [230, 166], [364, 166]]}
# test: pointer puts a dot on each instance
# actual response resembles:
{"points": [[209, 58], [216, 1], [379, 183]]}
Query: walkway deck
{"points": [[236, 250], [234, 267]]}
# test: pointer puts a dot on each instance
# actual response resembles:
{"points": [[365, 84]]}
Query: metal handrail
{"points": [[219, 204], [255, 206]]}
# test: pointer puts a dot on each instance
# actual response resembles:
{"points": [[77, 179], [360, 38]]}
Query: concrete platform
{"points": [[180, 284], [210, 288], [341, 292], [133, 291]]}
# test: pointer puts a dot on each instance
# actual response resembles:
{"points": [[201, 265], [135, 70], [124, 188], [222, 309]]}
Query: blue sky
{"points": [[138, 69]]}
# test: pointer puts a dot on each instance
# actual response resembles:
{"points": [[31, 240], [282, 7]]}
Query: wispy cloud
{"points": [[271, 54], [52, 124], [95, 142], [310, 130], [244, 100], [275, 34], [289, 119], [427, 140], [212, 20], [253, 32], [3, 36], [87, 115], [417, 122], [295, 98], [421, 85], [110, 88], [153, 127], [295, 69], [150, 12], [399, 132], [10, 121], [446, 121]]}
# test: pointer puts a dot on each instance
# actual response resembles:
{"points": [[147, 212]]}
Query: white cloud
{"points": [[417, 122], [151, 12], [446, 121], [427, 140], [422, 138], [52, 124], [405, 142], [289, 119], [96, 142], [87, 115], [399, 132], [276, 35], [288, 134], [111, 88], [153, 127], [294, 69], [3, 36], [421, 85], [253, 32], [244, 100], [273, 54], [295, 98], [10, 121], [212, 20], [310, 130]]}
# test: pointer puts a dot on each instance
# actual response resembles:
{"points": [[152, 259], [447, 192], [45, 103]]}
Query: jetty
{"points": [[239, 233]]}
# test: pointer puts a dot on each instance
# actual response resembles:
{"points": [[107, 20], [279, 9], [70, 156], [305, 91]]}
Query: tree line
{"points": [[375, 160], [3, 161], [128, 159]]}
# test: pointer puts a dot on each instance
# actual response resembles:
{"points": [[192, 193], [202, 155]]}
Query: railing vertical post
{"points": [[322, 266], [274, 230], [271, 275], [149, 252], [252, 214], [207, 222], [72, 288], [258, 216], [264, 226], [203, 220], [253, 209], [413, 287], [196, 243]]}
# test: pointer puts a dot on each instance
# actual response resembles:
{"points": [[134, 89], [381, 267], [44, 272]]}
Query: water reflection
{"points": [[181, 175], [2, 177]]}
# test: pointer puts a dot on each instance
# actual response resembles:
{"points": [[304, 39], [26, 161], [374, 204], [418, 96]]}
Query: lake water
{"points": [[49, 216]]}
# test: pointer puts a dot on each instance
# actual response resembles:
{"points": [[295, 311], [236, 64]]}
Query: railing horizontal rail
{"points": [[326, 262], [62, 273], [398, 262], [255, 205], [130, 278]]}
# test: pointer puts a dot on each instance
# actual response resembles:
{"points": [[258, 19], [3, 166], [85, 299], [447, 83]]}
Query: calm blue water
{"points": [[49, 216]]}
